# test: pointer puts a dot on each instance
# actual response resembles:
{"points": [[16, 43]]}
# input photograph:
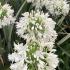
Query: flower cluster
{"points": [[55, 7], [36, 26], [38, 29], [6, 15], [38, 53], [19, 57]]}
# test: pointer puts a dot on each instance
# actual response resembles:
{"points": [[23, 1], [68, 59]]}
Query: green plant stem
{"points": [[60, 21], [20, 9], [64, 39]]}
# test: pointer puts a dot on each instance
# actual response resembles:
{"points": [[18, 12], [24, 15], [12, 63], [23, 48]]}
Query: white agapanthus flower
{"points": [[18, 66], [18, 57], [44, 60], [41, 65], [38, 52], [6, 15], [53, 63], [57, 7], [36, 26]]}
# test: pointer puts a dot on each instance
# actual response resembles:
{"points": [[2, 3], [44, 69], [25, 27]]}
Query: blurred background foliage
{"points": [[62, 42]]}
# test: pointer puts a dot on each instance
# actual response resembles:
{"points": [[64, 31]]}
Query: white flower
{"points": [[19, 47], [6, 15], [15, 57], [57, 7], [52, 60], [19, 56], [49, 68], [18, 66], [38, 30], [39, 54], [49, 45], [41, 65], [39, 23]]}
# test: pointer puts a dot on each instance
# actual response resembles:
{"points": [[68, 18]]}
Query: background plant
{"points": [[62, 42]]}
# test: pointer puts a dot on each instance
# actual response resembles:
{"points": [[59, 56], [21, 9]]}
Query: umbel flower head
{"points": [[36, 26], [6, 15], [18, 58], [55, 7], [32, 57], [38, 52]]}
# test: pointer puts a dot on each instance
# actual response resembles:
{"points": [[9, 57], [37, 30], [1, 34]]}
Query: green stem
{"points": [[61, 20], [20, 9]]}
